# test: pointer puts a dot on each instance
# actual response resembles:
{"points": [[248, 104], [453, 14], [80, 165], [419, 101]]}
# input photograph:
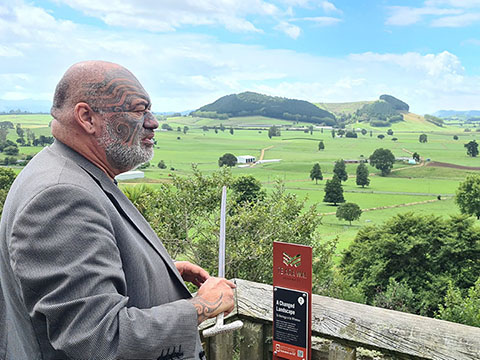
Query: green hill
{"points": [[383, 112], [254, 104]]}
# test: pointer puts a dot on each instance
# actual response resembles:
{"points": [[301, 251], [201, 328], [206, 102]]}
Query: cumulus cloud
{"points": [[186, 71], [164, 16]]}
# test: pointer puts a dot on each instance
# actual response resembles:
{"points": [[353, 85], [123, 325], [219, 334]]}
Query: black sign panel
{"points": [[290, 315]]}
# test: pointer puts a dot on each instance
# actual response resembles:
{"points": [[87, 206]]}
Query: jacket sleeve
{"points": [[65, 259]]}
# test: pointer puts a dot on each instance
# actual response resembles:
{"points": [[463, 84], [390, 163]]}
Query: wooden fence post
{"points": [[252, 341], [341, 352], [221, 346]]}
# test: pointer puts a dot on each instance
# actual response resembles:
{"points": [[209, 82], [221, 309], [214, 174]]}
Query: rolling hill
{"points": [[254, 104]]}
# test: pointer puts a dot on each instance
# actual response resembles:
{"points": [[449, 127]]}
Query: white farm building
{"points": [[245, 159], [135, 174]]}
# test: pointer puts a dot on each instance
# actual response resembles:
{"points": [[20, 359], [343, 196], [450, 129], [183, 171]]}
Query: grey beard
{"points": [[124, 157]]}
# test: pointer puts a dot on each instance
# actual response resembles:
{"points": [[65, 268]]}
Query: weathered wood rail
{"points": [[343, 330]]}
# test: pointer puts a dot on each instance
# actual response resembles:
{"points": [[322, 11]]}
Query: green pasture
{"points": [[28, 120], [246, 121], [298, 151]]}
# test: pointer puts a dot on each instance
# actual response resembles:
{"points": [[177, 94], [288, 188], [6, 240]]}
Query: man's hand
{"points": [[191, 272], [214, 297]]}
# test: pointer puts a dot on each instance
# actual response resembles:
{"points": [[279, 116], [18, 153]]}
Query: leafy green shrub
{"points": [[397, 296], [421, 252], [461, 306]]}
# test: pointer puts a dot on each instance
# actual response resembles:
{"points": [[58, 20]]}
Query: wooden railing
{"points": [[342, 330]]}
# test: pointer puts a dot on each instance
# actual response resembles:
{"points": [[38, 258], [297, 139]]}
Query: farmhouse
{"points": [[245, 159], [135, 174]]}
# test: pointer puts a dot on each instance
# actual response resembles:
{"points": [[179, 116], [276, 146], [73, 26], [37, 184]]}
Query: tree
{"points": [[382, 159], [310, 128], [179, 129], [247, 189], [20, 131], [364, 132], [333, 133], [349, 212], [231, 130], [468, 196], [351, 134], [334, 191], [185, 214], [455, 137], [161, 165], [371, 133], [205, 128], [164, 126], [321, 145], [424, 252], [340, 170], [390, 132], [222, 128], [185, 129], [362, 175], [416, 157], [316, 173], [273, 131], [381, 136], [7, 176], [341, 132], [145, 165], [472, 148], [3, 134], [423, 138], [11, 150], [394, 139], [227, 160]]}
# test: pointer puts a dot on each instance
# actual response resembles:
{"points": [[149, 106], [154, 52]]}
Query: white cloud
{"points": [[457, 21], [7, 51], [162, 16], [291, 30], [186, 71], [475, 42], [436, 66], [454, 3], [329, 7], [404, 15], [321, 20], [439, 13]]}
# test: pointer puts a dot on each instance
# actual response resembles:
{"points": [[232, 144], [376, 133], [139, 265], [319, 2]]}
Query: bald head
{"points": [[103, 85], [102, 111]]}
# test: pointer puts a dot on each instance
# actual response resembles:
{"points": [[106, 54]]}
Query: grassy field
{"points": [[408, 188]]}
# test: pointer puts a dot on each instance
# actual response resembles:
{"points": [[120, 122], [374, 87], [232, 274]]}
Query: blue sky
{"points": [[190, 52]]}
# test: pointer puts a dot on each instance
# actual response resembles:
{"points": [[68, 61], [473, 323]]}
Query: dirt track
{"points": [[453, 166]]}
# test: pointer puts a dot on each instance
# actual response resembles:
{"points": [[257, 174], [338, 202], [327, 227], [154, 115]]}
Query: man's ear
{"points": [[86, 118]]}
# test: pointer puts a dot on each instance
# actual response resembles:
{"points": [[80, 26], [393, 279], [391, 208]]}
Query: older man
{"points": [[82, 274]]}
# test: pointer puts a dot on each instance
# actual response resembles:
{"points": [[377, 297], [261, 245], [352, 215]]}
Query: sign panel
{"points": [[292, 296]]}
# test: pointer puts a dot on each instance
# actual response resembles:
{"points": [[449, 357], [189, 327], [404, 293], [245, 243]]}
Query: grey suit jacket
{"points": [[82, 274]]}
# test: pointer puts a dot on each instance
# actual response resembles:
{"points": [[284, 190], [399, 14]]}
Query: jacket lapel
{"points": [[122, 203]]}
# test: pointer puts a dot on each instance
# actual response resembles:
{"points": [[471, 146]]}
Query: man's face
{"points": [[127, 134]]}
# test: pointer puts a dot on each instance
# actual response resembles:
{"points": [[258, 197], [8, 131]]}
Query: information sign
{"points": [[292, 297]]}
